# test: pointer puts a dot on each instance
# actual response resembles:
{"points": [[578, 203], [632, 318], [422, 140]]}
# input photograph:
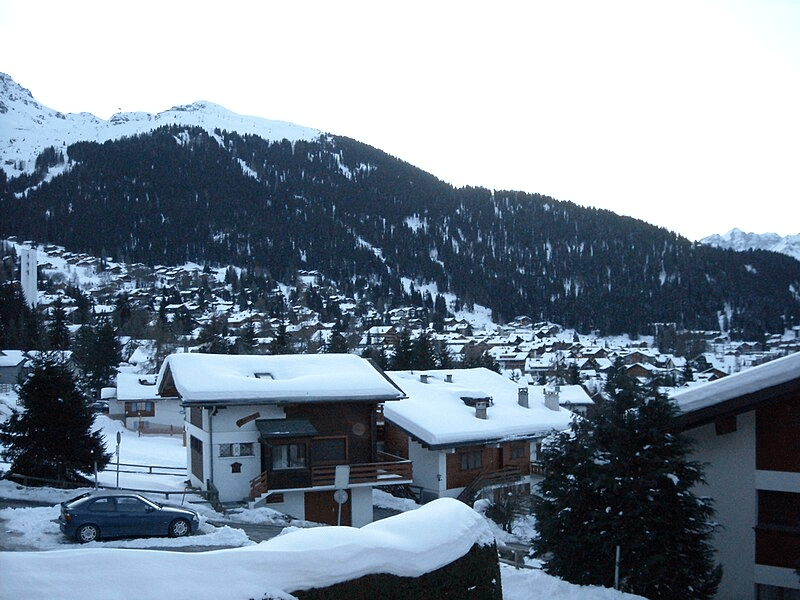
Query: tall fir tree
{"points": [[98, 352], [403, 356], [57, 332], [422, 352], [623, 478], [52, 436]]}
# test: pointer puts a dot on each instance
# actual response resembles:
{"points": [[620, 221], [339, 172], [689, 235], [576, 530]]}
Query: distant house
{"points": [[11, 365], [281, 430], [137, 404], [747, 429], [467, 430]]}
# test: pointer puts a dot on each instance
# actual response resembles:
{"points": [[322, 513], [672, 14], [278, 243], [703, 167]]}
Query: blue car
{"points": [[89, 516]]}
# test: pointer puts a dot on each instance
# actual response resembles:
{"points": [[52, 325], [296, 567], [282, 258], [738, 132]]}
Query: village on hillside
{"points": [[165, 309]]}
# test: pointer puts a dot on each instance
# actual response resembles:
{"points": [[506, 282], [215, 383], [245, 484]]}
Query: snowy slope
{"points": [[738, 240], [27, 127]]}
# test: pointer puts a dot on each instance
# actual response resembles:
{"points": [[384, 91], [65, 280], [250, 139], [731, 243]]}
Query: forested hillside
{"points": [[366, 219]]}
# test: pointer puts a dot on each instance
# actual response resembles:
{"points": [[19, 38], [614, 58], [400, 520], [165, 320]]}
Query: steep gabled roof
{"points": [[216, 379], [740, 392]]}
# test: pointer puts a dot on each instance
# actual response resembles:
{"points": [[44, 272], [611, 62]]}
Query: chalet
{"points": [[467, 431], [138, 406], [746, 427], [294, 432], [380, 335]]}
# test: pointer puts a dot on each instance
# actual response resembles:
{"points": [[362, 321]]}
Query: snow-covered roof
{"points": [[11, 358], [738, 385], [436, 414], [573, 395], [135, 386], [246, 379]]}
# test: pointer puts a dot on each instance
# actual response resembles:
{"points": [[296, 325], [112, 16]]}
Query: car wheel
{"points": [[87, 533], [179, 528]]}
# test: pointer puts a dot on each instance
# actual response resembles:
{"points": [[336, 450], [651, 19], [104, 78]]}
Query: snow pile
{"points": [[407, 545]]}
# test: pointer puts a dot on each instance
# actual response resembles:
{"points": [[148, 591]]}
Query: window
{"points": [[196, 416], [329, 450], [140, 409], [518, 451], [196, 447], [471, 460], [129, 504], [289, 456], [102, 505], [229, 450]]}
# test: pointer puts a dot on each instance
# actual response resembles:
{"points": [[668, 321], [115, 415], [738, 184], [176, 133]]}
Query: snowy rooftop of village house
{"points": [[773, 373], [135, 386], [244, 379], [436, 414], [568, 395]]}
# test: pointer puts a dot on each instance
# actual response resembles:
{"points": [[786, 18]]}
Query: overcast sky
{"points": [[681, 113]]}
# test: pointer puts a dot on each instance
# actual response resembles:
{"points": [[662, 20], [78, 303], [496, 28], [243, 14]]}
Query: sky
{"points": [[681, 113]]}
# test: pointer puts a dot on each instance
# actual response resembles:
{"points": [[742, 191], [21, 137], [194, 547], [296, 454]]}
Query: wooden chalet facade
{"points": [[468, 432], [272, 430]]}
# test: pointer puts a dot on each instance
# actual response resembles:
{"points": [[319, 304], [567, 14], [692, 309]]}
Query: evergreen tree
{"points": [[444, 359], [52, 437], [377, 356], [213, 337], [57, 332], [281, 343], [246, 341], [98, 352], [403, 357], [423, 355], [623, 479], [337, 344]]}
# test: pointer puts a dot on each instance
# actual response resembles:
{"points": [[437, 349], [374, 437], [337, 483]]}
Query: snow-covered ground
{"points": [[418, 540]]}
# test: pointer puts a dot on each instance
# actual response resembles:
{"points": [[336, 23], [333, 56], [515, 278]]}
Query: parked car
{"points": [[92, 515]]}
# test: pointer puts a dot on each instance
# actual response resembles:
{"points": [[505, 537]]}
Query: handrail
{"points": [[384, 473]]}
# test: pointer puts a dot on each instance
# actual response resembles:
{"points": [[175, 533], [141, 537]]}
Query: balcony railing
{"points": [[395, 470]]}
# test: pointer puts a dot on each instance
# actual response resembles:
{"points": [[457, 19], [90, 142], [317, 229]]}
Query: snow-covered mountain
{"points": [[736, 239], [27, 127]]}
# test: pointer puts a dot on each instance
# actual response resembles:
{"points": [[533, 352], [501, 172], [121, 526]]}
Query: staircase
{"points": [[489, 480]]}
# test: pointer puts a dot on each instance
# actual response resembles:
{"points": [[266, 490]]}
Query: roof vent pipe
{"points": [[523, 397], [480, 409]]}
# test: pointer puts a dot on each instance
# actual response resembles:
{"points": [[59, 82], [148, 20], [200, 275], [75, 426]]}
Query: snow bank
{"points": [[409, 545]]}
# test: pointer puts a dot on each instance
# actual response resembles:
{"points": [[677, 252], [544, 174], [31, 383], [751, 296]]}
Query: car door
{"points": [[137, 517], [103, 513]]}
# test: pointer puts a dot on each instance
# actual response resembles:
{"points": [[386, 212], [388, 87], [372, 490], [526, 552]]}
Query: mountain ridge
{"points": [[741, 241], [33, 127], [202, 193]]}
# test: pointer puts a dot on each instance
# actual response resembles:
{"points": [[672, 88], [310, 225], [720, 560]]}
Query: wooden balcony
{"points": [[394, 470]]}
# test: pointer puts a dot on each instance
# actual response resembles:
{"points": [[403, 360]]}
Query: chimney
{"points": [[448, 378], [551, 398], [480, 409], [423, 377], [523, 397]]}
